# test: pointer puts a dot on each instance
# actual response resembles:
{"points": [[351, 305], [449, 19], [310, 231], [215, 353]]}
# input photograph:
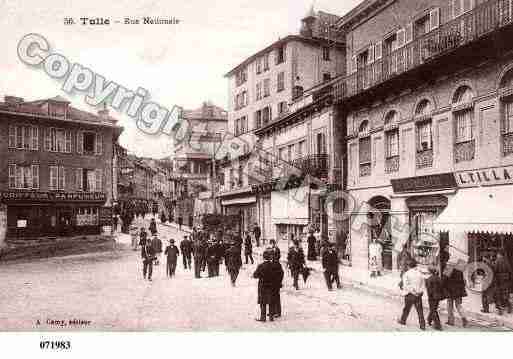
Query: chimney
{"points": [[13, 100]]}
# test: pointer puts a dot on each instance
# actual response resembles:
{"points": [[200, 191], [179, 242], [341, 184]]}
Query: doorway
{"points": [[380, 228]]}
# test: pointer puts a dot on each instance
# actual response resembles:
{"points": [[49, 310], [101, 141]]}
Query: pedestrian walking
{"points": [[134, 234], [186, 249], [211, 259], [148, 256], [454, 285], [153, 226], [413, 287], [296, 262], [157, 248], [270, 277], [257, 233], [234, 262], [311, 243], [172, 254], [275, 250], [180, 222], [248, 248], [330, 263], [435, 294], [203, 249], [198, 258], [143, 239], [502, 276], [115, 221]]}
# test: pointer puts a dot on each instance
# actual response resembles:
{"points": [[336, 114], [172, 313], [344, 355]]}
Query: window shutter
{"points": [[35, 176], [67, 136], [370, 59], [354, 66], [378, 50], [12, 136], [79, 179], [80, 142], [35, 138], [98, 178], [12, 176], [62, 178], [99, 144], [434, 19], [401, 36], [409, 33], [48, 139], [53, 177]]}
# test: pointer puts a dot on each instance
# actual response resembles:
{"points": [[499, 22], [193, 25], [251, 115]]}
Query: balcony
{"points": [[464, 31], [314, 165]]}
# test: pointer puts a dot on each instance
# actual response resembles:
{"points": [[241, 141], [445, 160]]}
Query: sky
{"points": [[182, 64]]}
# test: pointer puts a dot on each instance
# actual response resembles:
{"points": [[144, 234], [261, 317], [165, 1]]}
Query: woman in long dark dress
{"points": [[311, 252]]}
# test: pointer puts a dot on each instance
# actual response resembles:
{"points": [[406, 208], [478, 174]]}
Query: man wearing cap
{"points": [[413, 288], [186, 248], [270, 276], [172, 254]]}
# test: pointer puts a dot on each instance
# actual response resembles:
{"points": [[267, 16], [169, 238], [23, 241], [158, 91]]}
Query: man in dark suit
{"points": [[257, 233], [148, 256], [330, 263], [435, 295], [234, 262], [270, 277], [172, 254], [198, 258], [186, 248], [275, 250], [296, 262]]}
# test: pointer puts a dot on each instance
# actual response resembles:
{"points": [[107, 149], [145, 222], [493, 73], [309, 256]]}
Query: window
{"points": [[365, 150], [258, 119], [266, 115], [89, 180], [89, 139], [301, 148], [326, 77], [282, 107], [281, 81], [258, 91], [280, 55], [57, 178], [89, 143], [266, 62], [23, 176], [321, 143], [392, 143], [259, 65], [326, 53], [241, 125], [267, 87], [24, 137], [58, 140], [424, 136], [507, 126], [464, 129], [281, 154], [241, 76], [290, 153]]}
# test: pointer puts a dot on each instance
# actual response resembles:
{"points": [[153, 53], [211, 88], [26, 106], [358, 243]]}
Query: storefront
{"points": [[33, 215], [290, 212], [479, 219], [245, 207]]}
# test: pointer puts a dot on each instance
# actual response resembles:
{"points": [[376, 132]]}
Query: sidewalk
{"points": [[387, 285]]}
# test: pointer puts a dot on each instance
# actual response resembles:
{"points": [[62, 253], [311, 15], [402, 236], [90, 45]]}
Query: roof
{"points": [[207, 111], [37, 108], [357, 12], [289, 38]]}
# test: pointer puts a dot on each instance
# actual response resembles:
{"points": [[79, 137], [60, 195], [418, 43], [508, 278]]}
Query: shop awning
{"points": [[245, 200], [479, 209]]}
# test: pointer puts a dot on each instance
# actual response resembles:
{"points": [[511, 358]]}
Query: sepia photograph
{"points": [[256, 166]]}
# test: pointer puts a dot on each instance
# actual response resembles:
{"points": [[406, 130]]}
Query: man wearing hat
{"points": [[330, 263], [172, 254], [270, 276], [186, 248], [296, 262]]}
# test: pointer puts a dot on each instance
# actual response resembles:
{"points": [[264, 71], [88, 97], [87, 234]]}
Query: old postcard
{"points": [[267, 166]]}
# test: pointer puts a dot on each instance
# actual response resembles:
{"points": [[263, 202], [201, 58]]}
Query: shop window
{"points": [[87, 216]]}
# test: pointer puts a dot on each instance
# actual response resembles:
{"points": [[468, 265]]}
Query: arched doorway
{"points": [[378, 219]]}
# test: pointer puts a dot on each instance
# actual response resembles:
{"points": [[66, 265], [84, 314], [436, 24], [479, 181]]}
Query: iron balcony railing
{"points": [[485, 18]]}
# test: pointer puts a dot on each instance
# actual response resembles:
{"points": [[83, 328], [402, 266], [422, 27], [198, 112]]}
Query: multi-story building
{"points": [[428, 106], [193, 157], [260, 90], [57, 161]]}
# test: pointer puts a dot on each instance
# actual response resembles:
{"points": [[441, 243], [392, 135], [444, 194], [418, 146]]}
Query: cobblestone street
{"points": [[107, 292]]}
